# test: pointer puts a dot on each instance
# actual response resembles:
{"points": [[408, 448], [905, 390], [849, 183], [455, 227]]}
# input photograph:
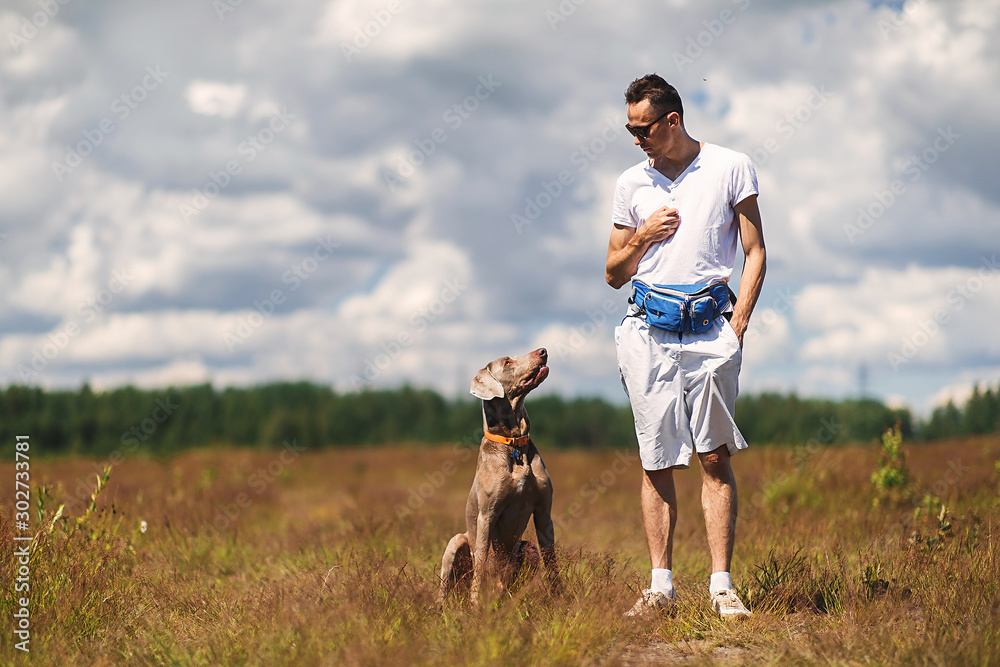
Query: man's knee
{"points": [[716, 462]]}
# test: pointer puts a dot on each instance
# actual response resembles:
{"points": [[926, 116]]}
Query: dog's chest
{"points": [[524, 480], [521, 483]]}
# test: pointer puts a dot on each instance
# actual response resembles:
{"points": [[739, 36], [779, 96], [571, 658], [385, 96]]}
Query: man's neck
{"points": [[673, 164]]}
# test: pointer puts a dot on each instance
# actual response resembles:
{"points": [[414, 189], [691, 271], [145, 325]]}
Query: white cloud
{"points": [[65, 285], [919, 316], [175, 373], [767, 340], [826, 380], [213, 98], [884, 98], [428, 285]]}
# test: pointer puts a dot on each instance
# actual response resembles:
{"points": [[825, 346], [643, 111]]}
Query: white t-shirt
{"points": [[703, 249]]}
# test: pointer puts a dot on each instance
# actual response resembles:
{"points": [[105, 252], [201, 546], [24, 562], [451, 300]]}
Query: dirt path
{"points": [[680, 653]]}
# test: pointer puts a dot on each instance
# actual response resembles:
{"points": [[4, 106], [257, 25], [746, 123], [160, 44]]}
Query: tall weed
{"points": [[892, 476]]}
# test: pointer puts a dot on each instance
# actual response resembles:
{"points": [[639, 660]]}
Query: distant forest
{"points": [[129, 420]]}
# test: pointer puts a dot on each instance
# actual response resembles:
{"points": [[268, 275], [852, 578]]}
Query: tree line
{"points": [[979, 415], [130, 420]]}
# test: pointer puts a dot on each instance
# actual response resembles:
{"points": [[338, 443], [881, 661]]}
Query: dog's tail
{"points": [[456, 565]]}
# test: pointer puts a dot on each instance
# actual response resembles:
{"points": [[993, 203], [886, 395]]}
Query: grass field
{"points": [[331, 557]]}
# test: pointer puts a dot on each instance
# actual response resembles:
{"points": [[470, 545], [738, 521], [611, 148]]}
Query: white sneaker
{"points": [[650, 603], [728, 605]]}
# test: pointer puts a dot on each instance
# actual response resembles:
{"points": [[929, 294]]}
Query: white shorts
{"points": [[682, 388]]}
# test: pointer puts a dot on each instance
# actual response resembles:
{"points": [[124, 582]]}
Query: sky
{"points": [[371, 193]]}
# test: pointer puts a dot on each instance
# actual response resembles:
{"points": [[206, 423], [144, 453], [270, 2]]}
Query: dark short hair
{"points": [[661, 95]]}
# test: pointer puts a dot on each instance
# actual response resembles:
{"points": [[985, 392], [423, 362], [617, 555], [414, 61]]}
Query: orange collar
{"points": [[519, 441]]}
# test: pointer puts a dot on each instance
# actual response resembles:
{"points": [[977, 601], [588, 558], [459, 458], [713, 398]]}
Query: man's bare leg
{"points": [[719, 503], [659, 515], [718, 500]]}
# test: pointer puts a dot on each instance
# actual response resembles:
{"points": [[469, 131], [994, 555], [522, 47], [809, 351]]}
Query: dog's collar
{"points": [[519, 441], [515, 443]]}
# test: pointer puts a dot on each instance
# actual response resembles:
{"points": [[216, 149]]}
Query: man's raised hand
{"points": [[661, 224]]}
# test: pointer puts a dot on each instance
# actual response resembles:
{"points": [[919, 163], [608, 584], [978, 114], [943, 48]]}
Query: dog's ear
{"points": [[485, 386]]}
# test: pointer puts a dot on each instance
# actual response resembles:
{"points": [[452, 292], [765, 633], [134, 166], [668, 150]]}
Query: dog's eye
{"points": [[507, 362]]}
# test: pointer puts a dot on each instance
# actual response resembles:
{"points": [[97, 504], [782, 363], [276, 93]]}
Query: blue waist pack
{"points": [[683, 308]]}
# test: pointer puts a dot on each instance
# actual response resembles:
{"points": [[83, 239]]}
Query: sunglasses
{"points": [[642, 131]]}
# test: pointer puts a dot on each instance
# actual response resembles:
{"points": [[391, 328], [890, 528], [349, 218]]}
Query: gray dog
{"points": [[511, 483]]}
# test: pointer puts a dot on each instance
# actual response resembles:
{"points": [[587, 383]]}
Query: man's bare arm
{"points": [[624, 253], [628, 244], [752, 234]]}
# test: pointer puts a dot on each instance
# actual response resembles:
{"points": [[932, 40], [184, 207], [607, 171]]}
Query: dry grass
{"points": [[313, 563]]}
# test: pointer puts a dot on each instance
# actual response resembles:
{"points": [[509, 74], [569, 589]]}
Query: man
{"points": [[677, 216]]}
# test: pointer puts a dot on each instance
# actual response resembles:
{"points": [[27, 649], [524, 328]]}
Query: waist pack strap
{"points": [[732, 299]]}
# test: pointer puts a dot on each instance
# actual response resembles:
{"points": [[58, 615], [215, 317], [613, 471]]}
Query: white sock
{"points": [[663, 581], [721, 581]]}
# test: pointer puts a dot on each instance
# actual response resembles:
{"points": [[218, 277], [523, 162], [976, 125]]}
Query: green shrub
{"points": [[892, 477]]}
